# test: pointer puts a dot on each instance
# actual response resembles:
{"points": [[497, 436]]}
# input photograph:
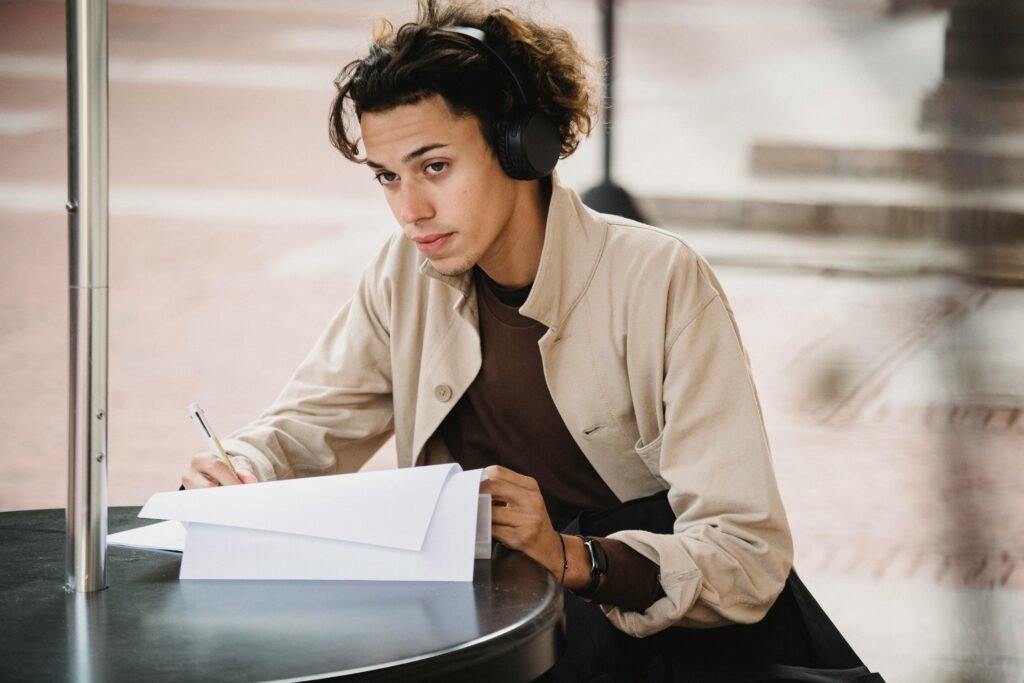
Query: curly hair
{"points": [[420, 60]]}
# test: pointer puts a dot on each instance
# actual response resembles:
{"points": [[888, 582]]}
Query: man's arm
{"points": [[336, 410], [521, 522], [731, 549]]}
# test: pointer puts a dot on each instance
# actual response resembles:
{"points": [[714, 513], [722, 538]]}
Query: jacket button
{"points": [[443, 392]]}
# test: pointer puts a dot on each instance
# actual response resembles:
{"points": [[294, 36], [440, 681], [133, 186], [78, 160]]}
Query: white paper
{"points": [[363, 507], [417, 524], [171, 535], [159, 536], [447, 554]]}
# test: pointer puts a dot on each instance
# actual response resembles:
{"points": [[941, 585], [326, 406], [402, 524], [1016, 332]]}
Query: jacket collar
{"points": [[574, 238]]}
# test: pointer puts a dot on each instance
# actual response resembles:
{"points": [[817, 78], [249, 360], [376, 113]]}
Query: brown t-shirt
{"points": [[507, 418]]}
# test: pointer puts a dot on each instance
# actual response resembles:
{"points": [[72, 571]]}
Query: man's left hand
{"points": [[519, 518]]}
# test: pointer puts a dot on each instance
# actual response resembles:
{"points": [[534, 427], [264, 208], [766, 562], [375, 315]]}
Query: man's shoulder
{"points": [[649, 268], [631, 241]]}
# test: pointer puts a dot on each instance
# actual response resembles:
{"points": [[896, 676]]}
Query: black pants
{"points": [[794, 642]]}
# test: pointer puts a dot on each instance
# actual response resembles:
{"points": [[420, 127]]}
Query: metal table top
{"points": [[507, 625]]}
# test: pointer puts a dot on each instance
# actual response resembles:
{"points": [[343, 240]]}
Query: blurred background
{"points": [[853, 169]]}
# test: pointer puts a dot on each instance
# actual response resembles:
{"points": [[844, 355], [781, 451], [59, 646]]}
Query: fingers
{"points": [[499, 473], [509, 516], [513, 530], [196, 480], [530, 533], [519, 518], [208, 470], [507, 493], [511, 488], [220, 472], [506, 536], [244, 469]]}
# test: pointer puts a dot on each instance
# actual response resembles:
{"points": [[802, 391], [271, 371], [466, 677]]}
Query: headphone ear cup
{"points": [[541, 145], [528, 148], [505, 152]]}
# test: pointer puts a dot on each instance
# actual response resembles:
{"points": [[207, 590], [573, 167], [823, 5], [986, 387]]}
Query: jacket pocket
{"points": [[650, 454]]}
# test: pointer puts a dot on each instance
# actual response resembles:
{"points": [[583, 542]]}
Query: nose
{"points": [[413, 204]]}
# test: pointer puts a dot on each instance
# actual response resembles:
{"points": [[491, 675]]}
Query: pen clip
{"points": [[198, 416]]}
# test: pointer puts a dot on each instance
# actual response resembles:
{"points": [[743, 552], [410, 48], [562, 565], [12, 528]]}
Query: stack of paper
{"points": [[415, 524]]}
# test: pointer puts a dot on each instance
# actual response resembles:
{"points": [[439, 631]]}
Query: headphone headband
{"points": [[528, 143], [495, 50]]}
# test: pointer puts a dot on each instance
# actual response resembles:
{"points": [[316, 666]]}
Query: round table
{"points": [[507, 625]]}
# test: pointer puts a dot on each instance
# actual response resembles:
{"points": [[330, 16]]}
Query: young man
{"points": [[584, 360]]}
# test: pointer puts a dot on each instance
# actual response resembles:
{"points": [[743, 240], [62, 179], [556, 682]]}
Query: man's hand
{"points": [[207, 470], [519, 519]]}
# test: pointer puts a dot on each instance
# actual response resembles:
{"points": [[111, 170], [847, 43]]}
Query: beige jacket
{"points": [[643, 361]]}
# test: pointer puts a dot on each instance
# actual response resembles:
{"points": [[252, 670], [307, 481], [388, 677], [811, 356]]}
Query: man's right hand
{"points": [[207, 470]]}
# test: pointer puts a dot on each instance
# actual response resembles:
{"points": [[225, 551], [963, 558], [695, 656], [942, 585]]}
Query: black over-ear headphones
{"points": [[529, 143]]}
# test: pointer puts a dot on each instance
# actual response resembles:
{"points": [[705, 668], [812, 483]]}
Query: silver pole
{"points": [[87, 243]]}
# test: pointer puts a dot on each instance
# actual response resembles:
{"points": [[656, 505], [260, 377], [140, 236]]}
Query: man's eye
{"points": [[436, 167], [385, 177]]}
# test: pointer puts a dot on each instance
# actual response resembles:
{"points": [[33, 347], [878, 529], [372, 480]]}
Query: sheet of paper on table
{"points": [[159, 536], [413, 524]]}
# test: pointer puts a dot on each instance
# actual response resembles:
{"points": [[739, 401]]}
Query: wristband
{"points": [[598, 567]]}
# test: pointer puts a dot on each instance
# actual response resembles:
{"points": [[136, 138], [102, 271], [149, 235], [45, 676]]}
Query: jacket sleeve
{"points": [[336, 411], [731, 549]]}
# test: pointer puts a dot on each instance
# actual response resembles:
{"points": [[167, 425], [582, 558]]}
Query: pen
{"points": [[197, 415]]}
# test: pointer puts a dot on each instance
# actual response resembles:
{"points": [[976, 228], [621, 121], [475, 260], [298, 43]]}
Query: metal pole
{"points": [[608, 31], [87, 246], [608, 197]]}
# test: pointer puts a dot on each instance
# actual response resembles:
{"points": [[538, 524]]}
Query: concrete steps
{"points": [[857, 256], [957, 165], [814, 206]]}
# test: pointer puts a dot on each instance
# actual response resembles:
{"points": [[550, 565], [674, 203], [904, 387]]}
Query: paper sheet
{"points": [[358, 507], [159, 536], [446, 555], [419, 524]]}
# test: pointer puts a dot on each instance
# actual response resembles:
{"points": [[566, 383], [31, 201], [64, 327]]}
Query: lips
{"points": [[432, 244]]}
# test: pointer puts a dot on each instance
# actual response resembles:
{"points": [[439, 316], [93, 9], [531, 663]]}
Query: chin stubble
{"points": [[461, 269]]}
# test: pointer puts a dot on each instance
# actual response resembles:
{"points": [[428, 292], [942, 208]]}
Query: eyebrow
{"points": [[419, 151]]}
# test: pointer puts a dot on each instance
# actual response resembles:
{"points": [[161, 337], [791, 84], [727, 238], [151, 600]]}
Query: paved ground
{"points": [[893, 399]]}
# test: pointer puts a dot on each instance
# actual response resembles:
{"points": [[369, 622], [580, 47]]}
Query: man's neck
{"points": [[514, 264]]}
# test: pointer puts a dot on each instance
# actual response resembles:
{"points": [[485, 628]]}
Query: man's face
{"points": [[443, 183]]}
